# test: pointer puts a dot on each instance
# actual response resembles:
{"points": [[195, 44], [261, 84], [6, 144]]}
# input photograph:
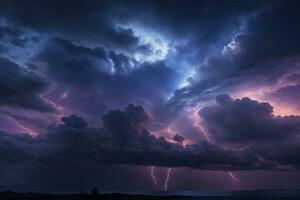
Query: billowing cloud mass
{"points": [[247, 121], [251, 56], [99, 92], [123, 139]]}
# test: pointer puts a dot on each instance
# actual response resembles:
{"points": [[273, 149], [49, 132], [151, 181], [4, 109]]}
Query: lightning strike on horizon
{"points": [[207, 138], [167, 179], [233, 177], [153, 176]]}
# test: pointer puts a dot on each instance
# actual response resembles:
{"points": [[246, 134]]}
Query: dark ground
{"points": [[254, 195]]}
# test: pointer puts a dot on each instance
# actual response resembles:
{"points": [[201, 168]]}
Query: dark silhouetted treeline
{"points": [[8, 195]]}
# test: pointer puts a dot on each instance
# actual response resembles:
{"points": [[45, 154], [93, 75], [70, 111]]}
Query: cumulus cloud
{"points": [[247, 121], [123, 139], [90, 74]]}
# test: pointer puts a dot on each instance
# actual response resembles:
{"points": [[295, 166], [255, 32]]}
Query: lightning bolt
{"points": [[153, 176], [233, 177], [60, 109], [206, 135], [27, 130], [167, 179]]}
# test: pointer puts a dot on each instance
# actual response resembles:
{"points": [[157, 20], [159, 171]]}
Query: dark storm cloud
{"points": [[20, 88], [216, 21], [283, 154], [102, 62], [100, 23], [122, 140], [90, 21], [263, 51], [250, 124], [104, 78], [244, 120], [80, 66], [126, 125], [74, 121], [15, 148]]}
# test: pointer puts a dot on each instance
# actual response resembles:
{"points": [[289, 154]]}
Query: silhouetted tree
{"points": [[94, 191]]}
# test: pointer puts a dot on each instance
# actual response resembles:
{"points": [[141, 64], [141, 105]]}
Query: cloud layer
{"points": [[123, 139]]}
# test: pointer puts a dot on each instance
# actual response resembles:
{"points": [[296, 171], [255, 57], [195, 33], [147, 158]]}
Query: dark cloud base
{"points": [[123, 139]]}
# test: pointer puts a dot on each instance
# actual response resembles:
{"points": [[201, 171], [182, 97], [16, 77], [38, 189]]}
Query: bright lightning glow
{"points": [[231, 48], [195, 118], [167, 179], [153, 176], [185, 81], [158, 46], [27, 130], [259, 94], [233, 177], [57, 107]]}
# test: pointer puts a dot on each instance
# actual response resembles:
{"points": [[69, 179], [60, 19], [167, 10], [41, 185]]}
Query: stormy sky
{"points": [[149, 95]]}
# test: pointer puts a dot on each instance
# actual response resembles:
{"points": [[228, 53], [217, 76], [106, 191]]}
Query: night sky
{"points": [[149, 95]]}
